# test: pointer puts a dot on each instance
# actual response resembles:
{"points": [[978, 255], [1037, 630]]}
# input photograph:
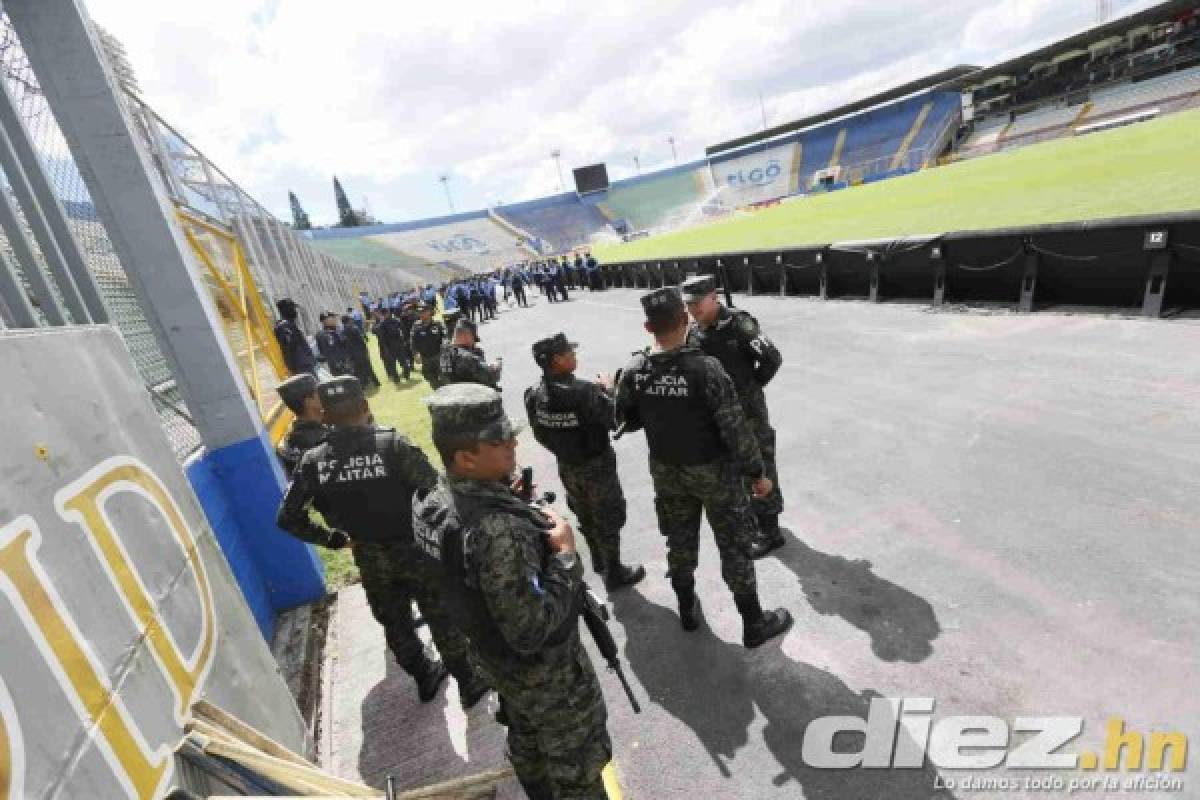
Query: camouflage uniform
{"points": [[461, 364], [683, 490], [751, 359], [520, 607], [572, 419], [356, 480], [302, 436]]}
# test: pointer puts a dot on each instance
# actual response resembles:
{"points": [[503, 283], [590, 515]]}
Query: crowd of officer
{"points": [[497, 576]]}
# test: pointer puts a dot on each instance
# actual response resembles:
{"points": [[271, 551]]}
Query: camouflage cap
{"points": [[470, 411], [546, 349], [295, 389], [699, 287], [339, 392], [664, 302]]}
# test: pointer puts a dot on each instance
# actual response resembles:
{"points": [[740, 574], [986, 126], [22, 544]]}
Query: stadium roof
{"points": [[928, 82], [1163, 12]]}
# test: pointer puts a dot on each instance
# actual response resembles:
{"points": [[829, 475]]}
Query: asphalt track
{"points": [[996, 511]]}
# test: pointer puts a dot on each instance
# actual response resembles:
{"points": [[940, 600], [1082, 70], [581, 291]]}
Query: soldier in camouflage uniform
{"points": [[572, 418], [463, 360], [426, 338], [734, 338], [362, 480], [701, 449], [513, 582], [299, 394]]}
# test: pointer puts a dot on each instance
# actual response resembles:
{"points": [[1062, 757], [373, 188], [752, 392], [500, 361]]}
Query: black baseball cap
{"points": [[546, 349]]}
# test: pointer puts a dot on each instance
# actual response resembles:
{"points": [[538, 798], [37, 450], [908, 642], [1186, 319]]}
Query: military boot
{"points": [[759, 626], [618, 574], [429, 676], [472, 690], [769, 536], [689, 604]]}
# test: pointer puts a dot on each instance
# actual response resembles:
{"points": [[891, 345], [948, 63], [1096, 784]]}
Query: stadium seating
{"points": [[561, 221], [470, 241], [1119, 99], [658, 199]]}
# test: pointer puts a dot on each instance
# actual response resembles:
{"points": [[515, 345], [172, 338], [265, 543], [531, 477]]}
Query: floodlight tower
{"points": [[674, 155], [556, 154], [444, 179], [637, 163]]}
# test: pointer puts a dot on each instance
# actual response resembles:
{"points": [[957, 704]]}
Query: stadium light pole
{"points": [[445, 181], [556, 154], [637, 162], [674, 155]]}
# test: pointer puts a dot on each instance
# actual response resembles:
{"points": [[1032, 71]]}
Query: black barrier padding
{"points": [[656, 276], [848, 273], [908, 272], [802, 272], [984, 269], [737, 272], [673, 273], [1183, 279], [765, 272], [1100, 267], [707, 265]]}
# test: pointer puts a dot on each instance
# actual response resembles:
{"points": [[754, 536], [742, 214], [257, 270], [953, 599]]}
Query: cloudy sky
{"points": [[388, 95]]}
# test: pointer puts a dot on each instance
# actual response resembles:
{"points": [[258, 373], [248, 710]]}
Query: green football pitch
{"points": [[1147, 168]]}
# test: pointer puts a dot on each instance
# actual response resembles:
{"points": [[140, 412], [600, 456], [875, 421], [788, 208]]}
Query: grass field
{"points": [[1146, 168]]}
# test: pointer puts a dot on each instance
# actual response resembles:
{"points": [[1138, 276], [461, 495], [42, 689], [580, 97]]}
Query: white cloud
{"points": [[283, 94]]}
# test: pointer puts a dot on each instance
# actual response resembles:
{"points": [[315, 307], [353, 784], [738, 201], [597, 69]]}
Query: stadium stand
{"points": [[661, 198], [470, 241], [560, 222]]}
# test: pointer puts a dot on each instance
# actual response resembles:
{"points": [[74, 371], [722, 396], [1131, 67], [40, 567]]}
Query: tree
{"points": [[300, 219], [347, 218]]}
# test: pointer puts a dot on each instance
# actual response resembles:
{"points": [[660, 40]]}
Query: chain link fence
{"points": [[280, 262]]}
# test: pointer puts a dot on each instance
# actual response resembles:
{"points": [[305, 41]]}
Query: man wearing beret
{"points": [[427, 338], [297, 355], [701, 451], [299, 395], [462, 360], [734, 338], [572, 418], [513, 582], [362, 480]]}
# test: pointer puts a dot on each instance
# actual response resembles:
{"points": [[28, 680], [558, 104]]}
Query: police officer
{"points": [[572, 418], [734, 338], [514, 584], [360, 357], [299, 394], [463, 360], [361, 480], [427, 337], [333, 347], [297, 355], [393, 345], [701, 449]]}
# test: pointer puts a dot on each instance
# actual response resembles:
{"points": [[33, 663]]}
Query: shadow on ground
{"points": [[715, 687], [902, 625]]}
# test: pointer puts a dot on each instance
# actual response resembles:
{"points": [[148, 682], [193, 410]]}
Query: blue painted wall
{"points": [[240, 487]]}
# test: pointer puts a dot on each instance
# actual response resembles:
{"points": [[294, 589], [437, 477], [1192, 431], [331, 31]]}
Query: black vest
{"points": [[444, 525], [427, 339], [672, 399], [360, 487], [721, 342], [553, 408]]}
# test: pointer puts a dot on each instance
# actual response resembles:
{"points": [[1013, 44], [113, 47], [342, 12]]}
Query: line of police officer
{"points": [[498, 578]]}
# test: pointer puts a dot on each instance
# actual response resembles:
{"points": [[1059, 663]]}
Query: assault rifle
{"points": [[594, 614]]}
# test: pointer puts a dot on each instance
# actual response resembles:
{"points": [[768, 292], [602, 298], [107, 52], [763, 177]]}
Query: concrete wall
{"points": [[118, 609]]}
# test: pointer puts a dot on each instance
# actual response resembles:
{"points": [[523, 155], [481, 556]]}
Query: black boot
{"points": [[620, 575], [769, 536], [472, 690], [759, 626], [689, 605], [429, 676]]}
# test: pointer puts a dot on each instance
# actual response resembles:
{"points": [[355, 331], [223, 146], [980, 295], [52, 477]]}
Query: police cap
{"points": [[340, 392], [546, 349], [295, 389], [698, 287], [465, 324], [285, 305], [470, 411], [662, 303]]}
